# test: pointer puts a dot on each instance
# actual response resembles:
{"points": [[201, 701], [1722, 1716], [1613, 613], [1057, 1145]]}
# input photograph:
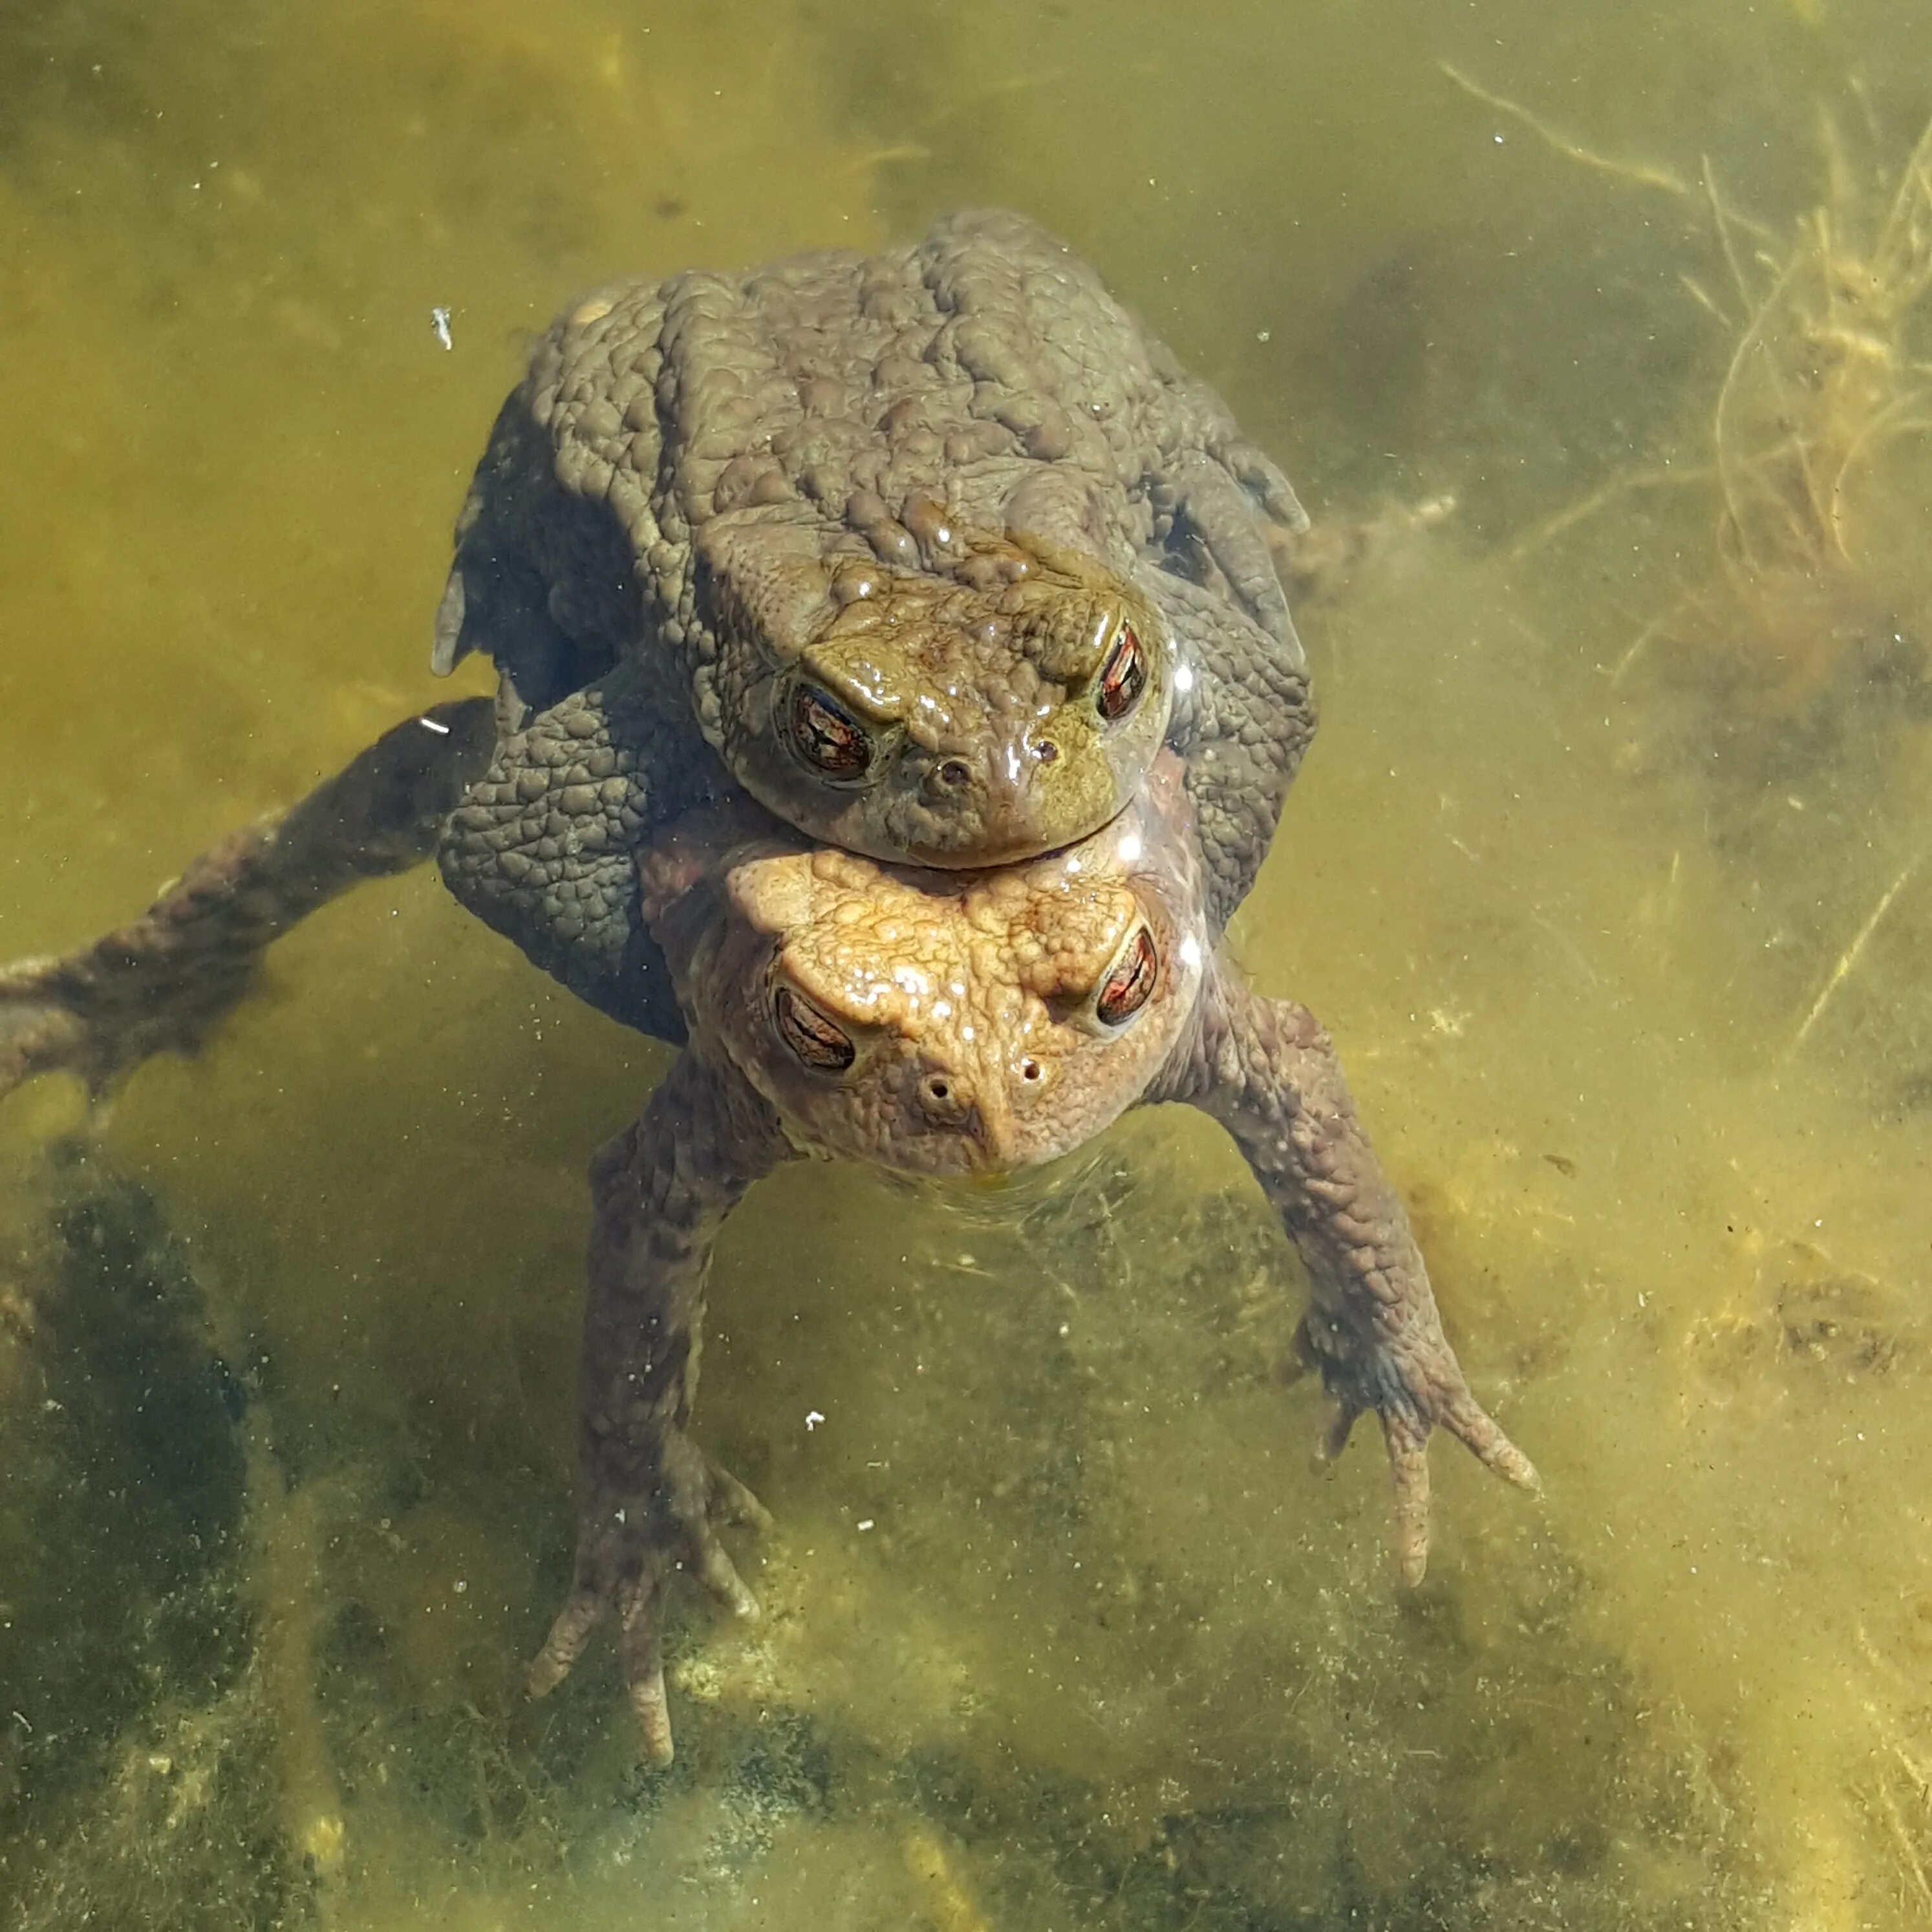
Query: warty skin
{"points": [[934, 548]]}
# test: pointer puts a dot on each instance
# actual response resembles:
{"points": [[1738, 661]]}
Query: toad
{"points": [[941, 1022], [934, 548]]}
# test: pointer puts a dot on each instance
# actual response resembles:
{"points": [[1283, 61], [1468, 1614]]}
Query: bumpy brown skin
{"points": [[969, 999], [969, 1006], [932, 483]]}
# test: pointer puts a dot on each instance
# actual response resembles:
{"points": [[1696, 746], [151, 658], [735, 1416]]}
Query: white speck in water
{"points": [[434, 724], [813, 1417], [867, 1524], [439, 323]]}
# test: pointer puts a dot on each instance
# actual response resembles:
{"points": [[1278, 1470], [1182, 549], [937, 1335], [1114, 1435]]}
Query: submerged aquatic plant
{"points": [[1815, 587], [1825, 375], [1791, 665], [1819, 602]]}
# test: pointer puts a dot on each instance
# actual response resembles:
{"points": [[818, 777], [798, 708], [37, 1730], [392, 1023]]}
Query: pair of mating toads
{"points": [[896, 697]]}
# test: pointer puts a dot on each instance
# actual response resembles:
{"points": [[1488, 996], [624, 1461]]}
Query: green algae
{"points": [[1062, 1631]]}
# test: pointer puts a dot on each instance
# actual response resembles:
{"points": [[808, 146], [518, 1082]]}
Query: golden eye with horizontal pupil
{"points": [[810, 1034], [827, 735], [1122, 677], [1130, 985]]}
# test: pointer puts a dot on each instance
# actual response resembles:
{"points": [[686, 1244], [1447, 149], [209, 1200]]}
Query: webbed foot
{"points": [[166, 981], [1414, 1384], [40, 1033], [162, 983], [632, 1539]]}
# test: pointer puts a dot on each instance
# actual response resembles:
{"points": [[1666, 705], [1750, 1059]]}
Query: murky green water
{"points": [[1606, 871]]}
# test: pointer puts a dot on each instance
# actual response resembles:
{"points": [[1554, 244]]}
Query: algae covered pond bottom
{"points": [[1606, 872]]}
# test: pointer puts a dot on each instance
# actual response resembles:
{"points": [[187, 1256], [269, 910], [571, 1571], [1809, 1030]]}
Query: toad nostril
{"points": [[1046, 751], [1029, 1069], [954, 772], [946, 1102]]}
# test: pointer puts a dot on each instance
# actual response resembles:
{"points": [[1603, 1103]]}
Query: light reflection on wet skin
{"points": [[1105, 1640]]}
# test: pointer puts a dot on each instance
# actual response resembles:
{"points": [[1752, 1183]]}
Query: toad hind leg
{"points": [[1266, 1070], [165, 981], [647, 1496]]}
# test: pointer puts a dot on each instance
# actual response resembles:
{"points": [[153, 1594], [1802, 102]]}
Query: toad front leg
{"points": [[1265, 1070], [648, 1497], [164, 982]]}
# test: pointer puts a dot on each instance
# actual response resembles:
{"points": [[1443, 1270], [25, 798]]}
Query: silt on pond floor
{"points": [[1604, 870]]}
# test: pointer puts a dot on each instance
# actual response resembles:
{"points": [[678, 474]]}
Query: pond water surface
{"points": [[1606, 871]]}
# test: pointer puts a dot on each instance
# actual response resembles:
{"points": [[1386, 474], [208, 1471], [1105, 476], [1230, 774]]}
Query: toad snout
{"points": [[985, 1109]]}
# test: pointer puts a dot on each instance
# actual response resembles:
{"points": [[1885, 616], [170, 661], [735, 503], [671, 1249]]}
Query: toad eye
{"points": [[809, 1033], [1122, 677], [826, 735], [1130, 983]]}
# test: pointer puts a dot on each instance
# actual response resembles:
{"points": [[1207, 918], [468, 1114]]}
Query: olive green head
{"points": [[1003, 701]]}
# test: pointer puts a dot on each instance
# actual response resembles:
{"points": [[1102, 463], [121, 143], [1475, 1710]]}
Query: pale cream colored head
{"points": [[946, 1022]]}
